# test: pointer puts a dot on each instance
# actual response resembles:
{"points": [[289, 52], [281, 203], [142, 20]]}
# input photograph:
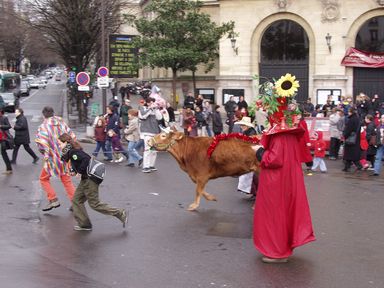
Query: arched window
{"points": [[284, 41], [371, 35]]}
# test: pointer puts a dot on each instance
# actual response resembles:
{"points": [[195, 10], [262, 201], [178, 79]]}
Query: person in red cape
{"points": [[282, 219]]}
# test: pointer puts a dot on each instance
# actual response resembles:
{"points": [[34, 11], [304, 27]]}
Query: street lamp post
{"points": [[103, 91]]}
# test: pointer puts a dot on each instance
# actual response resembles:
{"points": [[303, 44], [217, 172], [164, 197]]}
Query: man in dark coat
{"points": [[352, 151], [22, 136]]}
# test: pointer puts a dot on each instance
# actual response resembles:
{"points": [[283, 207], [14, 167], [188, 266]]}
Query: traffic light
{"points": [[74, 68]]}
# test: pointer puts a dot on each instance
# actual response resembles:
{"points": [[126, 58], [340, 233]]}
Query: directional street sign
{"points": [[82, 79], [72, 76]]}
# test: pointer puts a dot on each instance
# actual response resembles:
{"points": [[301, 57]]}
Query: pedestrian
{"points": [[149, 116], [308, 106], [112, 122], [245, 181], [100, 135], [189, 101], [364, 146], [352, 148], [261, 120], [371, 139], [117, 148], [319, 152], [199, 101], [22, 136], [242, 104], [4, 135], [207, 110], [171, 113], [123, 91], [335, 134], [230, 107], [132, 135], [282, 219], [124, 112], [48, 144], [114, 103], [201, 122], [217, 123], [189, 122], [88, 189], [305, 143], [380, 147]]}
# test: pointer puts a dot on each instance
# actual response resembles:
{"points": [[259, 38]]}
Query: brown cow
{"points": [[231, 157]]}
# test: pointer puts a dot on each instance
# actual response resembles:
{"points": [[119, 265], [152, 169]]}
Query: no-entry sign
{"points": [[82, 79]]}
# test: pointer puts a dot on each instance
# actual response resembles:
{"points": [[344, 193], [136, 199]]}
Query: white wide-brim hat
{"points": [[246, 121]]}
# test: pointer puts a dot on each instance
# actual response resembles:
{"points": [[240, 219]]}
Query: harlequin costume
{"points": [[282, 219]]}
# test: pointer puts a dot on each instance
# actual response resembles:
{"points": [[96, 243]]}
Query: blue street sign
{"points": [[72, 76]]}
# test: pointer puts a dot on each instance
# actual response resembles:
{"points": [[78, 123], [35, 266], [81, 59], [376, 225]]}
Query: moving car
{"points": [[58, 77], [11, 101], [38, 84], [319, 124], [24, 88]]}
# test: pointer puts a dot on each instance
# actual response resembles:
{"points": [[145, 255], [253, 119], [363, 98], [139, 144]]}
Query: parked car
{"points": [[11, 101], [38, 84], [319, 124], [24, 88]]}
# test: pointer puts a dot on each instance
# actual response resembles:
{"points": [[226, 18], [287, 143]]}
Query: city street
{"points": [[166, 246]]}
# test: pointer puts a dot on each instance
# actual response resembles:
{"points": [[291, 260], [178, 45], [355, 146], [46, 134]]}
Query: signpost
{"points": [[82, 80], [122, 56], [103, 79]]}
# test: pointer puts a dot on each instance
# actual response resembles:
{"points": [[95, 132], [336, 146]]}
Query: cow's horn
{"points": [[165, 129]]}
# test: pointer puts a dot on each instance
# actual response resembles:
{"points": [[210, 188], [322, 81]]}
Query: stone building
{"points": [[307, 38]]}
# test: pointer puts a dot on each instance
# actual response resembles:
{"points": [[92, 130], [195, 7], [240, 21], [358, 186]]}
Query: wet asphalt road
{"points": [[165, 246]]}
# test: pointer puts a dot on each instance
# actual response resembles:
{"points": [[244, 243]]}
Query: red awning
{"points": [[358, 58]]}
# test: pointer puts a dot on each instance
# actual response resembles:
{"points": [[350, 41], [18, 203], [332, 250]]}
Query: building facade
{"points": [[307, 38]]}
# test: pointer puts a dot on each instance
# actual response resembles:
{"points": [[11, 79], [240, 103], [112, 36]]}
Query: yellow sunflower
{"points": [[287, 85]]}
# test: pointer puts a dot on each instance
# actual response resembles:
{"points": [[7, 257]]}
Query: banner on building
{"points": [[122, 57], [358, 58]]}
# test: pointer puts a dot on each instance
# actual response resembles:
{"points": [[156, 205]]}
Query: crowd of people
{"points": [[362, 122], [122, 134]]}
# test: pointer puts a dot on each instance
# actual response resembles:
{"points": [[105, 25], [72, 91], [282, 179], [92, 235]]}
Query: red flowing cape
{"points": [[282, 219]]}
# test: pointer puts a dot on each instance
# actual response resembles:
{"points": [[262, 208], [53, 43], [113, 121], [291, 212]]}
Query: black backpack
{"points": [[96, 170]]}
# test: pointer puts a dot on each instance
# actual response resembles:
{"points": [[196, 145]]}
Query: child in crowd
{"points": [[363, 147], [100, 136], [319, 153], [116, 147], [132, 135]]}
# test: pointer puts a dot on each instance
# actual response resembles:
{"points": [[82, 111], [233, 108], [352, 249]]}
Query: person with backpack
{"points": [[88, 188]]}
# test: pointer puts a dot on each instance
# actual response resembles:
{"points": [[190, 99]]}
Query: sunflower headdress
{"points": [[277, 98]]}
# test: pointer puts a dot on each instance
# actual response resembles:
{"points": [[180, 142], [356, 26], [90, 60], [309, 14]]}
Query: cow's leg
{"points": [[200, 185]]}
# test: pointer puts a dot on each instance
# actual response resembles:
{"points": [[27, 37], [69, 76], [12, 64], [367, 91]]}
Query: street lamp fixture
{"points": [[328, 39], [233, 43]]}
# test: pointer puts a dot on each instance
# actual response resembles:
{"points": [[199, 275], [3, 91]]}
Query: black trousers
{"points": [[4, 154], [26, 147], [334, 147]]}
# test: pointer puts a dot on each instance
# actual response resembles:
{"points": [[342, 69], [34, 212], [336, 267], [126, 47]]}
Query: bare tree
{"points": [[12, 36], [73, 27]]}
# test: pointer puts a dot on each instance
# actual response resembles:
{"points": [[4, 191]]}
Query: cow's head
{"points": [[166, 139]]}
